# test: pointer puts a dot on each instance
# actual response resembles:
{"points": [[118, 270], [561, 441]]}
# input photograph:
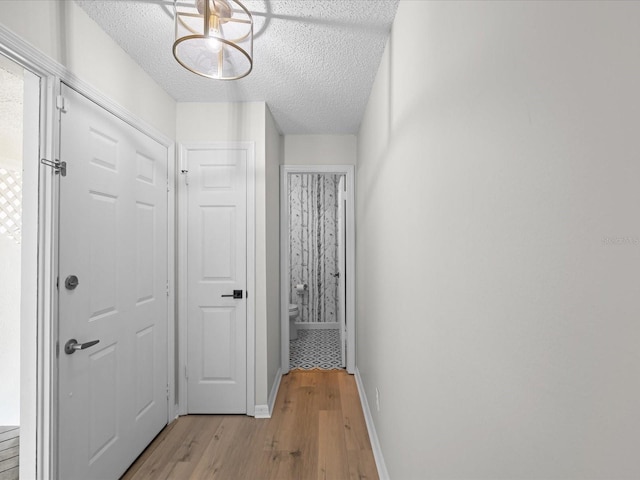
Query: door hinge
{"points": [[185, 172], [57, 165], [186, 373], [61, 103], [167, 289], [247, 294], [57, 283], [57, 349], [167, 391]]}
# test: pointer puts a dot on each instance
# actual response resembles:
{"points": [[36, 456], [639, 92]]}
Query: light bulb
{"points": [[213, 44]]}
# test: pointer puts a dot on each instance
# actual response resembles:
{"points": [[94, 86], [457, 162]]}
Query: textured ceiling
{"points": [[314, 60]]}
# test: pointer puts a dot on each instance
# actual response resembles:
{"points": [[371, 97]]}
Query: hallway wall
{"points": [[498, 192], [61, 30], [320, 149]]}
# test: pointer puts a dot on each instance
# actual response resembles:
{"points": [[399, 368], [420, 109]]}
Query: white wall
{"points": [[9, 332], [214, 122], [274, 159], [320, 149], [61, 30], [11, 133], [499, 241]]}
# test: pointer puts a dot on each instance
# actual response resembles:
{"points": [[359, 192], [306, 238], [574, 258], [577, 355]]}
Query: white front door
{"points": [[217, 267], [112, 396]]}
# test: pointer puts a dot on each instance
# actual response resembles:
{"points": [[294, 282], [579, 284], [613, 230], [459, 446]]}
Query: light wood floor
{"points": [[317, 431], [9, 449]]}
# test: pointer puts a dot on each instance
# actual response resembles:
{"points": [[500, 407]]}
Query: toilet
{"points": [[293, 315]]}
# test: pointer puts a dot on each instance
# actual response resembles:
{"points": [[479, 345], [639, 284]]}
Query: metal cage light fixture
{"points": [[214, 38]]}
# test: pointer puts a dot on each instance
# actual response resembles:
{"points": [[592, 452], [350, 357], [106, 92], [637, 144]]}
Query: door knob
{"points": [[236, 294], [72, 345]]}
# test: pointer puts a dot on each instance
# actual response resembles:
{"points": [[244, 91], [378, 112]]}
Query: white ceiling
{"points": [[314, 60]]}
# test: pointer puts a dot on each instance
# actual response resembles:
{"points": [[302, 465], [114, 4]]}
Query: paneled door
{"points": [[112, 395], [216, 279]]}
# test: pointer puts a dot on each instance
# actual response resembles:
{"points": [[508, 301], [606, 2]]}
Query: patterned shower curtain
{"points": [[313, 251]]}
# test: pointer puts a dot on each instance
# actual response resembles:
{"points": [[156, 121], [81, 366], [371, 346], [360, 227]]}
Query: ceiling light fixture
{"points": [[214, 38]]}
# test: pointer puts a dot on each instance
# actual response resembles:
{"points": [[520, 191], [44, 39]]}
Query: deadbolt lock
{"points": [[71, 282]]}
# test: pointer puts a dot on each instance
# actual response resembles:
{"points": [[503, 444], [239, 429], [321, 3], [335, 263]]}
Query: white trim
{"points": [[29, 299], [251, 275], [261, 411], [47, 455], [273, 394], [318, 326], [182, 277], [182, 210], [285, 336], [172, 404], [371, 429], [349, 172]]}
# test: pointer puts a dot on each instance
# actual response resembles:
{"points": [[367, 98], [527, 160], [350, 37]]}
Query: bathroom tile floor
{"points": [[316, 349]]}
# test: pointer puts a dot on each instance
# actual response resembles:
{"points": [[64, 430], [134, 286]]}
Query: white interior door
{"points": [[113, 238], [217, 266], [342, 244]]}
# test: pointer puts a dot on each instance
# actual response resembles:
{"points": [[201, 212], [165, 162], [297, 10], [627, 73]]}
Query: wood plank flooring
{"points": [[317, 431], [9, 450]]}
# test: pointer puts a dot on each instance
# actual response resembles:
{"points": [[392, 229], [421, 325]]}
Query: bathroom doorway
{"points": [[317, 260]]}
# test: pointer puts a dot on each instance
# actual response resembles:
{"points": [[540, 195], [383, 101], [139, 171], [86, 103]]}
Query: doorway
{"points": [[19, 146], [216, 240], [317, 266]]}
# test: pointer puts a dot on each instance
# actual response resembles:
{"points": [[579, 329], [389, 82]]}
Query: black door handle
{"points": [[236, 294]]}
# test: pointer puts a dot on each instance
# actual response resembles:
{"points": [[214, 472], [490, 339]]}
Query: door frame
{"points": [[39, 378], [182, 306], [37, 348], [349, 172]]}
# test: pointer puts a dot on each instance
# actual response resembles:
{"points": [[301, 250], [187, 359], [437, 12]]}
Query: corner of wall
{"points": [[273, 160]]}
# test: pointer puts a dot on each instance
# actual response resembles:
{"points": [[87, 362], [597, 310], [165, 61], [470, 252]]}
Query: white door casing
{"points": [[219, 252], [342, 238], [112, 397]]}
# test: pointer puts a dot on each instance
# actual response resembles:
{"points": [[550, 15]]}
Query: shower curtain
{"points": [[313, 246]]}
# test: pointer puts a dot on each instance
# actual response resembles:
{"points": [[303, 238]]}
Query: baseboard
{"points": [[264, 411], [317, 326], [261, 411], [371, 428]]}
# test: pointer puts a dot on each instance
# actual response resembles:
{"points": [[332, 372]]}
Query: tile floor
{"points": [[316, 349]]}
